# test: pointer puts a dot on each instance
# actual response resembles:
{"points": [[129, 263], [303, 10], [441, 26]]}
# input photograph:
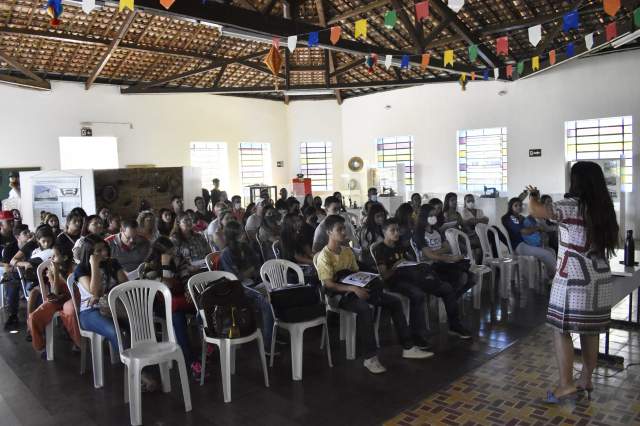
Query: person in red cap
{"points": [[7, 240]]}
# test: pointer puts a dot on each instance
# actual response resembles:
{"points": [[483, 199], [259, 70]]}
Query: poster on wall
{"points": [[56, 194]]}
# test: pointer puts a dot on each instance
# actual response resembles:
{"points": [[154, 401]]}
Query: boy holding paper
{"points": [[336, 260], [413, 280]]}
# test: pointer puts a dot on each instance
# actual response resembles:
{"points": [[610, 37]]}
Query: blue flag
{"points": [[313, 39], [570, 21], [570, 50], [485, 75], [405, 61]]}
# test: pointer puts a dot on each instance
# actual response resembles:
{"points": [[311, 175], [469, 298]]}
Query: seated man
{"points": [[414, 280], [10, 277], [127, 247], [332, 205], [336, 258]]}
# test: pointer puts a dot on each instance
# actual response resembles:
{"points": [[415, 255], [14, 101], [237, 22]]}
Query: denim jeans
{"points": [[182, 336], [92, 320], [13, 289], [545, 254], [263, 305]]}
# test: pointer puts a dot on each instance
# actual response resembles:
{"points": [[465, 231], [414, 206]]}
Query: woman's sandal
{"points": [[587, 390], [552, 399]]}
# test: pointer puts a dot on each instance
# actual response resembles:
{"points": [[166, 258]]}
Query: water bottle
{"points": [[629, 250]]}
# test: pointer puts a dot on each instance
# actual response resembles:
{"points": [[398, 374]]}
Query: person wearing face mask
{"points": [[372, 194], [321, 237], [236, 208], [471, 216], [127, 247], [255, 220]]}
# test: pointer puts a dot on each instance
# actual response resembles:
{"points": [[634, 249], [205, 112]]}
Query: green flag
{"points": [[520, 67], [473, 52], [636, 17], [390, 19]]}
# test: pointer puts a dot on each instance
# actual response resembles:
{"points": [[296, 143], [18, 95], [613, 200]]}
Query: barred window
{"points": [[316, 163], [482, 159], [395, 150], [255, 163], [213, 160]]}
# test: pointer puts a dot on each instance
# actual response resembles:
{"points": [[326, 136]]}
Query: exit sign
{"points": [[535, 153]]}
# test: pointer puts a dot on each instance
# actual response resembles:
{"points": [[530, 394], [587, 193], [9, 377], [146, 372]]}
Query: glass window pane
{"points": [[482, 157]]}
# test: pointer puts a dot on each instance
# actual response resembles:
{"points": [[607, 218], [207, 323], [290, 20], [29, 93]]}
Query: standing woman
{"points": [[588, 238]]}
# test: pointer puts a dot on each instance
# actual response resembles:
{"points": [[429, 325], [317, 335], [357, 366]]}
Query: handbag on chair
{"points": [[227, 311]]}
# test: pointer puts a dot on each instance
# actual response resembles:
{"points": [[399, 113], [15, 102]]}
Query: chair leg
{"points": [[477, 291], [263, 359], [135, 395], [442, 311], [324, 336], [325, 332], [296, 334], [350, 336], [113, 355], [165, 376], [203, 359], [225, 368], [83, 354], [96, 360], [126, 384], [426, 312], [233, 359], [49, 340], [273, 344], [184, 382], [342, 325], [376, 326]]}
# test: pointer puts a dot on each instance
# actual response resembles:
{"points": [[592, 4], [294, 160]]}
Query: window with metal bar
{"points": [[482, 159], [395, 150], [316, 163], [255, 163], [603, 138], [213, 160]]}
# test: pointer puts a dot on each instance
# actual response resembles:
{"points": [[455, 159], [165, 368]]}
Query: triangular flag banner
{"points": [[588, 41], [456, 5], [292, 41], [390, 19], [496, 73], [167, 3], [570, 50], [448, 57], [387, 61], [535, 34], [371, 61], [509, 71], [422, 10], [54, 10], [473, 52], [552, 57], [570, 21], [273, 61], [361, 29], [125, 4], [88, 6], [520, 67], [405, 61], [485, 74], [276, 42], [473, 75], [611, 7], [535, 63], [611, 31], [636, 17], [313, 39], [463, 77], [502, 45], [426, 58], [336, 31]]}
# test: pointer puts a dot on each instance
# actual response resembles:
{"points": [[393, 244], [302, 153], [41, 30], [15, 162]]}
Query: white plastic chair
{"points": [[95, 340], [433, 301], [276, 249], [506, 264], [274, 276], [44, 291], [196, 285], [135, 274], [138, 298], [531, 263], [208, 260], [479, 271]]}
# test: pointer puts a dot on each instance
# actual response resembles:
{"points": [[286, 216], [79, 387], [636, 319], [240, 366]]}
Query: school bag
{"points": [[227, 311]]}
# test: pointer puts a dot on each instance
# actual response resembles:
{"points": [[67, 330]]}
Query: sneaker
{"points": [[12, 321], [416, 353], [196, 371], [374, 366], [460, 331], [422, 343]]}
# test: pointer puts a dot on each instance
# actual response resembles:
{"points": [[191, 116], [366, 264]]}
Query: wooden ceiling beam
{"points": [[553, 32], [13, 62], [347, 67], [112, 48], [357, 11], [328, 56], [28, 83], [436, 31], [415, 31]]}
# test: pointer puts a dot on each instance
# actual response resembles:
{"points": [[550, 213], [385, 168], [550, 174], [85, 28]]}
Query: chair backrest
{"points": [[493, 235], [262, 254], [274, 273], [354, 219], [276, 249], [416, 251], [40, 274], [483, 234], [211, 260], [71, 285], [373, 256], [198, 282], [453, 237], [138, 297], [504, 230]]}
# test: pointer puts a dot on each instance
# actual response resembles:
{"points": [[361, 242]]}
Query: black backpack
{"points": [[228, 312], [297, 303]]}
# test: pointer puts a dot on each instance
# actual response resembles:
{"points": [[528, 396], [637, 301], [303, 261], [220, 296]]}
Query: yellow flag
{"points": [[448, 57], [125, 4], [361, 29], [535, 63]]}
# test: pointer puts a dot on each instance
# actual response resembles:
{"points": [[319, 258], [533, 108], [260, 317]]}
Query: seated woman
{"points": [[202, 212], [52, 220], [115, 223], [438, 206], [471, 216], [370, 233], [239, 259], [416, 202], [406, 223], [73, 231], [293, 205], [269, 231], [164, 264], [57, 300], [166, 219], [249, 211], [199, 225], [514, 223], [92, 225], [295, 246], [452, 219], [448, 267], [148, 227], [236, 208], [193, 246], [218, 238]]}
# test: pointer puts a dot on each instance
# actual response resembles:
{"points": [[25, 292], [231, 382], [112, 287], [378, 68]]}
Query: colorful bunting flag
{"points": [[273, 61], [535, 34], [535, 63], [509, 71], [502, 45], [611, 7], [422, 10], [456, 5], [448, 57], [313, 39], [611, 31], [167, 3], [570, 50], [496, 73], [473, 75], [405, 62], [276, 42], [371, 61], [426, 58], [520, 67], [390, 19], [636, 17], [336, 31], [54, 10], [485, 74], [570, 20], [588, 41], [473, 52], [292, 41], [88, 6], [125, 4], [361, 29], [388, 60], [552, 57]]}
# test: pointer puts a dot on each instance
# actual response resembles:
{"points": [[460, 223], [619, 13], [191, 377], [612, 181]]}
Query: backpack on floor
{"points": [[226, 310]]}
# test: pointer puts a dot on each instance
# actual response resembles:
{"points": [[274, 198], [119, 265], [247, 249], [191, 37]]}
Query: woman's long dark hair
{"points": [[288, 236], [403, 214], [422, 221], [308, 201], [595, 206], [86, 250], [67, 265], [86, 222], [505, 217], [248, 212], [160, 246], [370, 225], [163, 227], [435, 202], [176, 232], [232, 234], [448, 198]]}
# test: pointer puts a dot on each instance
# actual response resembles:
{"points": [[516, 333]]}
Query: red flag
{"points": [[552, 57], [611, 7], [422, 10], [509, 71], [276, 42], [502, 45], [335, 34], [611, 31]]}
